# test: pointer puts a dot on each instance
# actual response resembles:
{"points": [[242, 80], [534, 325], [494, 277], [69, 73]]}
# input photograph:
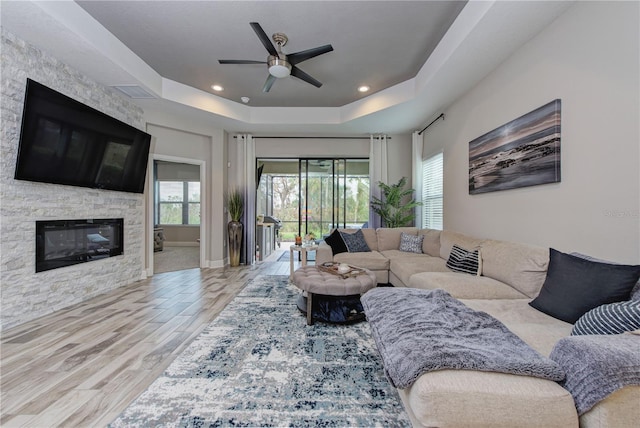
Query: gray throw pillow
{"points": [[635, 293], [411, 243], [355, 242]]}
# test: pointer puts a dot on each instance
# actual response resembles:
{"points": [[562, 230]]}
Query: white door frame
{"points": [[203, 206]]}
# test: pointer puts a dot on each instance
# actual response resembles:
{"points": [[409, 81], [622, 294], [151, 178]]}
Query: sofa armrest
{"points": [[323, 253]]}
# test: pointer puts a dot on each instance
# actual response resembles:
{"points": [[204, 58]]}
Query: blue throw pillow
{"points": [[614, 318], [355, 242], [574, 286], [635, 292]]}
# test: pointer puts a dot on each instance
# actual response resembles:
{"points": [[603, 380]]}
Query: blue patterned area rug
{"points": [[258, 364]]}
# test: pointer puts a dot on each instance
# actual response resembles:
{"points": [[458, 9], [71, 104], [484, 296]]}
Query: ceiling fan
{"points": [[281, 65]]}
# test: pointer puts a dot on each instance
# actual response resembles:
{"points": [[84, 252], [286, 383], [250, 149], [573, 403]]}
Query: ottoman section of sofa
{"points": [[372, 260], [405, 267]]}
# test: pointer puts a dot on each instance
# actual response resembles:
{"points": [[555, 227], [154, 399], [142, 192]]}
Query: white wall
{"points": [[309, 147], [589, 58], [398, 148]]}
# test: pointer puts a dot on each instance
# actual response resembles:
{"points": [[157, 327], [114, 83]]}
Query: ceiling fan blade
{"points": [[298, 57], [295, 71], [269, 83], [240, 61], [266, 41]]}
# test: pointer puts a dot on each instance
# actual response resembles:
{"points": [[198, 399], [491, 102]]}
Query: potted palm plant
{"points": [[396, 209], [235, 206]]}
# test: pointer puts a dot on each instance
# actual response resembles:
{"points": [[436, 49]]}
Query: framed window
{"points": [[432, 192], [178, 202]]}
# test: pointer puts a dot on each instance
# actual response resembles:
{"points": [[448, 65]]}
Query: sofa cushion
{"points": [[470, 398], [405, 267], [463, 286], [389, 238], [524, 267], [355, 242], [431, 241], [539, 330], [619, 409], [614, 318], [372, 260], [336, 242], [464, 261], [449, 238], [411, 243], [397, 254], [575, 285]]}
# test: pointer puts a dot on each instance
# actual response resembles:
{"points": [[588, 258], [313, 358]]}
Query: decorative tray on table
{"points": [[341, 269]]}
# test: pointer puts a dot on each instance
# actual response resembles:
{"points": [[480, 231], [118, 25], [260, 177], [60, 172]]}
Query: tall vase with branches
{"points": [[235, 206], [396, 208]]}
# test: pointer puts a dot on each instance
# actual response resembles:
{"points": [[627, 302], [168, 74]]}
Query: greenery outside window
{"points": [[179, 202]]}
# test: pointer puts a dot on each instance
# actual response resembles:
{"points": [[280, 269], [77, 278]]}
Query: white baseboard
{"points": [[181, 244], [215, 263]]}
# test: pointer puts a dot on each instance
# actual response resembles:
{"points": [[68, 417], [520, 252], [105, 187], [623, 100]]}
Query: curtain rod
{"points": [[316, 138], [432, 122]]}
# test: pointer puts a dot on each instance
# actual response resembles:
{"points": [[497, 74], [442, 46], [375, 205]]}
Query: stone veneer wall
{"points": [[26, 295]]}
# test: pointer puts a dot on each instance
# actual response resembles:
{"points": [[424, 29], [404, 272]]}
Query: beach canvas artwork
{"points": [[524, 152]]}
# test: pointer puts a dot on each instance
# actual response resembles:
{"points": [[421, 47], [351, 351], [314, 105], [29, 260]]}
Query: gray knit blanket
{"points": [[418, 331], [597, 366]]}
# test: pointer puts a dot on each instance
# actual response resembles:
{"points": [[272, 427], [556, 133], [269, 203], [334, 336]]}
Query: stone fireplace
{"points": [[27, 294]]}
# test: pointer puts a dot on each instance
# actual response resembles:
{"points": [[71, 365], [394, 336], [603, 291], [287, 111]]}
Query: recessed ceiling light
{"points": [[245, 99], [217, 88], [363, 88]]}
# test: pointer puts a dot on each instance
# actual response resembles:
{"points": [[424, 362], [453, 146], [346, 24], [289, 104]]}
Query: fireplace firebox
{"points": [[61, 243]]}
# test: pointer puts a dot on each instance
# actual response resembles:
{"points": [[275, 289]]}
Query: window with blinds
{"points": [[432, 192]]}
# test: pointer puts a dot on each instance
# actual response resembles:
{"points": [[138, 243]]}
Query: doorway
{"points": [[177, 206]]}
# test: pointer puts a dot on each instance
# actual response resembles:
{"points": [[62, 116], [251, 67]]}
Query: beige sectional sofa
{"points": [[512, 275]]}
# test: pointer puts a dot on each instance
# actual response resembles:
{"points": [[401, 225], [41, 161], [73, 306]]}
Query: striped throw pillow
{"points": [[614, 318], [466, 261]]}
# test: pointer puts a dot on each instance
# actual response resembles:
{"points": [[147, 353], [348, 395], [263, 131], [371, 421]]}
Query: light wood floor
{"points": [[82, 366]]}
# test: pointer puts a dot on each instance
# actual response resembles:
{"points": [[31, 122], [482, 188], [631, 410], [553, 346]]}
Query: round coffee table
{"points": [[315, 280]]}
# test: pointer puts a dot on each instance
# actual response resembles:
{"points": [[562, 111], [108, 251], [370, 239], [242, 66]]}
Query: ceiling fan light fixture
{"points": [[279, 67]]}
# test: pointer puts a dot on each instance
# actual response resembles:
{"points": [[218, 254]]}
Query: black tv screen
{"points": [[63, 141]]}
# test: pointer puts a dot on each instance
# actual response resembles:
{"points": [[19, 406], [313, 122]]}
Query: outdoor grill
{"points": [[277, 224]]}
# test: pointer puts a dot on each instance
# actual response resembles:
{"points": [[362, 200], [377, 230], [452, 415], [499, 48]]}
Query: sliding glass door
{"points": [[314, 195], [333, 193]]}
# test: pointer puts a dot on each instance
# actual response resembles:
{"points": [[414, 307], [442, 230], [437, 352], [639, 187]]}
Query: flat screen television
{"points": [[63, 141]]}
